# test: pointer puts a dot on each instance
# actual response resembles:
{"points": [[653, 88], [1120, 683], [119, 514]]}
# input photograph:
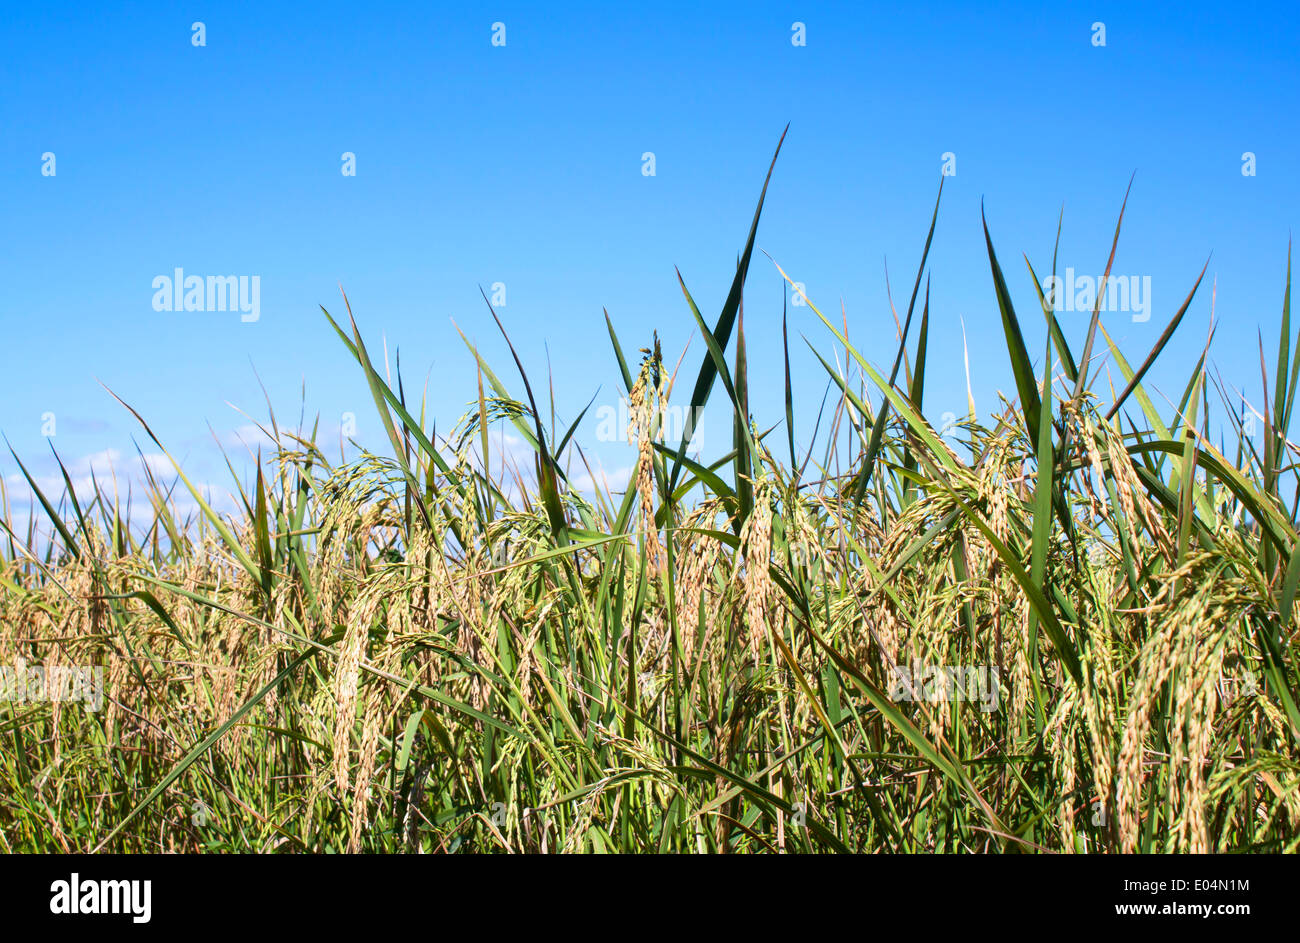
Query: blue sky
{"points": [[522, 164]]}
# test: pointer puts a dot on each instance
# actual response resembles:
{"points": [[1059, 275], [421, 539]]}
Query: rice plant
{"points": [[1071, 630]]}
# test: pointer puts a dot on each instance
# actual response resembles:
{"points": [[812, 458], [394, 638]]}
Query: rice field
{"points": [[1065, 627]]}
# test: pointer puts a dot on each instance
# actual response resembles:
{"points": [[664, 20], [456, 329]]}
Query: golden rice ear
{"points": [[757, 541]]}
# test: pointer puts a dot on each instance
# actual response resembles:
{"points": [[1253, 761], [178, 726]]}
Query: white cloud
{"points": [[115, 476], [613, 481], [249, 435]]}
